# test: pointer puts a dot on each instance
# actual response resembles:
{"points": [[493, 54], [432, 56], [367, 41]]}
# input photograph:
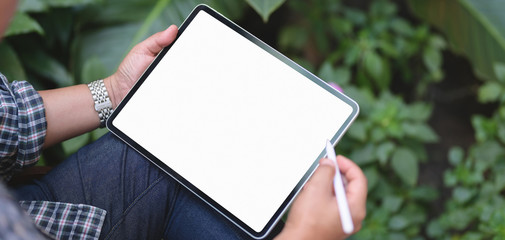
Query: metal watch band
{"points": [[103, 105]]}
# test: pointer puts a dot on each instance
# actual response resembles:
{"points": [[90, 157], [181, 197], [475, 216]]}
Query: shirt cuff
{"points": [[31, 123]]}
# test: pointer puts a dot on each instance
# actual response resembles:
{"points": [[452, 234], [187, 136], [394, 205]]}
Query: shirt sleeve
{"points": [[14, 223], [22, 126]]}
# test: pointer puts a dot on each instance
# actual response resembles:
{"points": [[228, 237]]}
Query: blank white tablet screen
{"points": [[233, 120]]}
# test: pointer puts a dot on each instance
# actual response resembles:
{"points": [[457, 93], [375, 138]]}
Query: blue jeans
{"points": [[141, 201]]}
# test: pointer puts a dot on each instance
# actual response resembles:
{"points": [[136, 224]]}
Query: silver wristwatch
{"points": [[103, 105]]}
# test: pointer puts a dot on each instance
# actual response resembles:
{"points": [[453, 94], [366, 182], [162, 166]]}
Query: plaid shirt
{"points": [[22, 126], [22, 132]]}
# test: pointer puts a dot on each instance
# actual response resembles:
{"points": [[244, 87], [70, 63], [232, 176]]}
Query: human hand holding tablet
{"points": [[221, 87]]}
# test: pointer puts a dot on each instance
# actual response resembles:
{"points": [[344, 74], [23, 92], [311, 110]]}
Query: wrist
{"points": [[111, 89], [103, 105]]}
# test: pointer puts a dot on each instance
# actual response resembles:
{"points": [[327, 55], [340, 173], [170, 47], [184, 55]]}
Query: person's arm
{"points": [[22, 126], [70, 111], [314, 214]]}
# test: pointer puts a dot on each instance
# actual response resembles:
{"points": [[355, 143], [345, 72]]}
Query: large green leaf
{"points": [[120, 24], [405, 165], [108, 45], [265, 7], [32, 6], [44, 65], [69, 3], [44, 5], [22, 23], [148, 22], [11, 66], [475, 28]]}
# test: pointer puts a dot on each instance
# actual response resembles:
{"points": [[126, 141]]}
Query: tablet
{"points": [[233, 120]]}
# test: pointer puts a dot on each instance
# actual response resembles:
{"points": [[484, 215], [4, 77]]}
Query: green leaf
{"points": [[405, 165], [115, 12], [340, 26], [474, 28], [92, 70], [460, 218], [437, 42], [364, 155], [388, 48], [462, 195], [501, 132], [392, 203], [148, 22], [326, 72], [398, 222], [352, 54], [358, 131], [419, 111], [490, 92], [424, 193], [72, 145], [32, 6], [450, 178], [265, 7], [43, 64], [420, 131], [372, 176], [432, 58], [294, 38], [488, 153], [355, 16], [378, 135], [11, 66], [373, 65], [499, 70], [456, 155], [342, 75], [435, 229], [98, 133], [106, 44], [384, 151], [484, 128], [22, 23], [233, 10], [401, 26], [70, 3]]}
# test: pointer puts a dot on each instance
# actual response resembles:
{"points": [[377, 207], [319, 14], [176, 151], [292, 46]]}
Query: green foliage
{"points": [[58, 43], [475, 209], [474, 28], [368, 50], [387, 141], [372, 46], [265, 7], [23, 23]]}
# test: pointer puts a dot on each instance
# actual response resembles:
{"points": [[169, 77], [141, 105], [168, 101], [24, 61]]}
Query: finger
{"points": [[158, 41], [352, 173], [357, 182], [322, 179]]}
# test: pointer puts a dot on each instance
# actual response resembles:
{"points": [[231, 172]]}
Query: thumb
{"points": [[322, 178], [158, 41]]}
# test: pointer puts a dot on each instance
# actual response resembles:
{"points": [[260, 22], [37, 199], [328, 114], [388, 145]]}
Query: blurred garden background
{"points": [[429, 76]]}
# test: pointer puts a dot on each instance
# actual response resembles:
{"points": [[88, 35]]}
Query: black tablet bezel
{"points": [[280, 211]]}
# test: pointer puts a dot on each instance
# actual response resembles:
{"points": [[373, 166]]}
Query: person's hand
{"points": [[136, 62], [314, 214]]}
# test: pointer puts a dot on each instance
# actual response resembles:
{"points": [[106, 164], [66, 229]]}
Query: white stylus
{"points": [[338, 185]]}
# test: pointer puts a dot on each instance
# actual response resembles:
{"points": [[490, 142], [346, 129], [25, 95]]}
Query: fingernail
{"points": [[326, 161]]}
